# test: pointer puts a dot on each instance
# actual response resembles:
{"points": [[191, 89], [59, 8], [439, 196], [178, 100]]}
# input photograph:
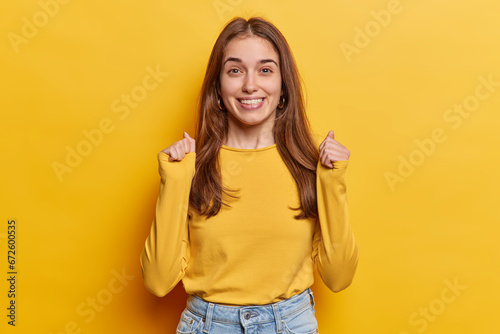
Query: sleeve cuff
{"points": [[340, 164], [176, 168]]}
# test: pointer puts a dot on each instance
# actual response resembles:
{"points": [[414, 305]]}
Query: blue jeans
{"points": [[295, 315]]}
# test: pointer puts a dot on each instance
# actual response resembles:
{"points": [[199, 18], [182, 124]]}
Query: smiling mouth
{"points": [[251, 102]]}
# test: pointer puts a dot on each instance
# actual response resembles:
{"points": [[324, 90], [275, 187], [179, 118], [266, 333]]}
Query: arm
{"points": [[335, 251], [166, 250]]}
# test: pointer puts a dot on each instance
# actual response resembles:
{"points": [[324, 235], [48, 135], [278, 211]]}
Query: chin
{"points": [[255, 120]]}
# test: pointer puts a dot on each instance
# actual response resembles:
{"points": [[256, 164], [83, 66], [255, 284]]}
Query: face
{"points": [[250, 81]]}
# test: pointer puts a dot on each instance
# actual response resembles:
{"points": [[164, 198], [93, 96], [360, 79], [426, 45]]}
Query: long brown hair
{"points": [[291, 129]]}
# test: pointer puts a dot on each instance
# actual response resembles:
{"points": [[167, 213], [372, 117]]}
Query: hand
{"points": [[180, 148], [331, 150]]}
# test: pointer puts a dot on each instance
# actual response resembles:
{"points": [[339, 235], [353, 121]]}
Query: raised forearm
{"points": [[166, 250], [336, 251]]}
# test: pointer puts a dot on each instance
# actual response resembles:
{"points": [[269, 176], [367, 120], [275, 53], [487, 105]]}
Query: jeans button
{"points": [[247, 316]]}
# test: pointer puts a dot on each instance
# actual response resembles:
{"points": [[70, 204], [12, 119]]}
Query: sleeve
{"points": [[166, 250], [335, 251]]}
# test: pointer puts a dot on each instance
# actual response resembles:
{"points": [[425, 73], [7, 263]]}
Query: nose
{"points": [[249, 84]]}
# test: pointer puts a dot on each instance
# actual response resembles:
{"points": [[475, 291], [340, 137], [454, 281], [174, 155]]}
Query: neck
{"points": [[245, 136]]}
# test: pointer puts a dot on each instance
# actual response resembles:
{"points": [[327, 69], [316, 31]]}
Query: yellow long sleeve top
{"points": [[254, 252]]}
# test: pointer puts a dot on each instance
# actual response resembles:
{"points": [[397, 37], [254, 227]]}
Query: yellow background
{"points": [[436, 226]]}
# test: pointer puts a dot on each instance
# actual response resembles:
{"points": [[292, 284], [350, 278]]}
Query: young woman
{"points": [[247, 209]]}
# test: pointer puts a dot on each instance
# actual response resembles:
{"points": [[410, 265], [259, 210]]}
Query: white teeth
{"points": [[255, 101]]}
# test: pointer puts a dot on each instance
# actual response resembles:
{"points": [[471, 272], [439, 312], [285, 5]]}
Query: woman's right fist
{"points": [[180, 148]]}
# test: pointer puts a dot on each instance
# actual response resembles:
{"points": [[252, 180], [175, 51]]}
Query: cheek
{"points": [[273, 88], [274, 85], [228, 86]]}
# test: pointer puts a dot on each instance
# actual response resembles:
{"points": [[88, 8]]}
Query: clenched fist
{"points": [[180, 148], [331, 150]]}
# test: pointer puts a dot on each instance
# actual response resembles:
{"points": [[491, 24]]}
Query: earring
{"points": [[220, 107], [281, 104]]}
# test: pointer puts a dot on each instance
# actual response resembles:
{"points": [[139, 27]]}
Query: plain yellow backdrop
{"points": [[92, 90]]}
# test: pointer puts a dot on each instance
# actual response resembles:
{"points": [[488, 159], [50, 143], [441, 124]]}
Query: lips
{"points": [[251, 103]]}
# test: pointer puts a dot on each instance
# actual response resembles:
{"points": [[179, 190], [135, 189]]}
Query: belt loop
{"points": [[208, 317], [277, 318], [312, 297]]}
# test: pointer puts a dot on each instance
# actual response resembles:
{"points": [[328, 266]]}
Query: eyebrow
{"points": [[238, 60]]}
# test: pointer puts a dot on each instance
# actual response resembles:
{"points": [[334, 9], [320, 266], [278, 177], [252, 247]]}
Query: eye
{"points": [[233, 70], [267, 70]]}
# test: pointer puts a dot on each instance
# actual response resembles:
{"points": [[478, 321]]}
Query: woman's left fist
{"points": [[331, 150]]}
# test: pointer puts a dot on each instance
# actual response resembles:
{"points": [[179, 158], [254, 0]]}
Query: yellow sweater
{"points": [[255, 252]]}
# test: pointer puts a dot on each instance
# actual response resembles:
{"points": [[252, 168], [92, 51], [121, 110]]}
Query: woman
{"points": [[246, 210]]}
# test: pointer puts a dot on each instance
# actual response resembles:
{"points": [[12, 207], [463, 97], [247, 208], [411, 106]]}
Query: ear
{"points": [[217, 88]]}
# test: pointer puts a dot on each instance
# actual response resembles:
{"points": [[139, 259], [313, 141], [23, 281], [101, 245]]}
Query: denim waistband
{"points": [[254, 313]]}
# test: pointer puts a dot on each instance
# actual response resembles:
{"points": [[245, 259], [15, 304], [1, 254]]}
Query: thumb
{"points": [[331, 134], [192, 145]]}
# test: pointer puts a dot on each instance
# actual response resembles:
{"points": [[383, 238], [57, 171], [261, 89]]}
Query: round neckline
{"points": [[248, 149]]}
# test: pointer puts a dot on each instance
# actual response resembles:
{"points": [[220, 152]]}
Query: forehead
{"points": [[250, 49]]}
